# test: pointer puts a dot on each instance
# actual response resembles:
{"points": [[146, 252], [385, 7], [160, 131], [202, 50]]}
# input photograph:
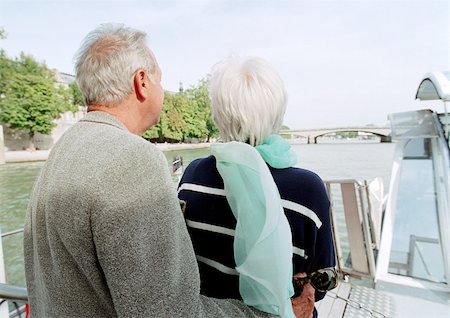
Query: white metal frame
{"points": [[4, 311], [441, 162]]}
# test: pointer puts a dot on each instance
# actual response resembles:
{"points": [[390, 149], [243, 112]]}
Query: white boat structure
{"points": [[394, 253]]}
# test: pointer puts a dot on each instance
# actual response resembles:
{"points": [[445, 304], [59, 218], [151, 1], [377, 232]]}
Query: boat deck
{"points": [[352, 301]]}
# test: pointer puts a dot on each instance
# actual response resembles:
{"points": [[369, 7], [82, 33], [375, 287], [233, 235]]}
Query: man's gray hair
{"points": [[107, 60], [248, 99]]}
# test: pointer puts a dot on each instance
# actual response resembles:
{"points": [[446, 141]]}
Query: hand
{"points": [[303, 305]]}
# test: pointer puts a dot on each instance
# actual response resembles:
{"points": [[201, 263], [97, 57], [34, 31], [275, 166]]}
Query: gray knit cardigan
{"points": [[105, 236]]}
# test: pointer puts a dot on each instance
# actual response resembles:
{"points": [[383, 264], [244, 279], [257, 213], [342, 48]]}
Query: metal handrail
{"points": [[12, 232], [15, 293], [11, 292]]}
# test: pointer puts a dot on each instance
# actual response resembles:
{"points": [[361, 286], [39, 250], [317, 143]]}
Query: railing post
{"points": [[335, 230], [354, 228], [362, 189], [4, 310], [2, 146]]}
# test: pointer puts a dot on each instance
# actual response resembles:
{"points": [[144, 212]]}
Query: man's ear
{"points": [[141, 85]]}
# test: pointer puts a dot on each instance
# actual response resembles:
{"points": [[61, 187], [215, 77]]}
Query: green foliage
{"points": [[185, 115], [347, 134], [2, 33], [31, 104], [30, 98], [200, 95], [77, 96]]}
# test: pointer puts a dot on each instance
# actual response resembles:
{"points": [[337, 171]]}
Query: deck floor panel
{"points": [[331, 306], [362, 302], [374, 303]]}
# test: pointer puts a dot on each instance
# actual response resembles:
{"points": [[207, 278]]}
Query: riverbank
{"points": [[42, 155]]}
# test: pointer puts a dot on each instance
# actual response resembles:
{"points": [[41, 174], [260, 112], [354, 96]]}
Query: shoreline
{"points": [[42, 155]]}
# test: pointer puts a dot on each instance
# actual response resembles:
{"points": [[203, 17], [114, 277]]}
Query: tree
{"points": [[170, 124], [186, 114], [193, 117], [30, 98], [77, 96], [347, 134], [175, 105], [200, 95]]}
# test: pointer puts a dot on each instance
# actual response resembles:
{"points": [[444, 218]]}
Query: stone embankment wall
{"points": [[15, 140]]}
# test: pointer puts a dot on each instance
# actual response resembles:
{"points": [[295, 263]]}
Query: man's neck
{"points": [[123, 113]]}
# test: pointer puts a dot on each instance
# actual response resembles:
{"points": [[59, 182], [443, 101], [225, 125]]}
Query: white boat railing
{"points": [[356, 224], [13, 293], [12, 233], [4, 309], [10, 293]]}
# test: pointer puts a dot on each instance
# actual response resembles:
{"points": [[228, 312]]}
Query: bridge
{"points": [[383, 132]]}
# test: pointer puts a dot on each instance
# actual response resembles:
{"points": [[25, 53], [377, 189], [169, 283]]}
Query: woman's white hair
{"points": [[107, 60], [248, 99]]}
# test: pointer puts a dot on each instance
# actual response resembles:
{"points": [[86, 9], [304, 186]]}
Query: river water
{"points": [[349, 160]]}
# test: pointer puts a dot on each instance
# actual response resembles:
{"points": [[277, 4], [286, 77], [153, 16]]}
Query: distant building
{"points": [[63, 79]]}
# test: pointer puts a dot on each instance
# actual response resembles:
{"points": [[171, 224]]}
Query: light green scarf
{"points": [[277, 152], [263, 241]]}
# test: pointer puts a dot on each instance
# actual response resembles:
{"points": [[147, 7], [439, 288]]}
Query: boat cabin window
{"points": [[416, 250], [417, 149]]}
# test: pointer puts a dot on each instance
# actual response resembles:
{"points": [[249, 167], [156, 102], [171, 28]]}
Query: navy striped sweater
{"points": [[211, 223]]}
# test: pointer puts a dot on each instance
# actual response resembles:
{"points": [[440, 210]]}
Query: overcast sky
{"points": [[344, 63]]}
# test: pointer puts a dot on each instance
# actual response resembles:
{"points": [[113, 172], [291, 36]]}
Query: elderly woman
{"points": [[255, 219]]}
